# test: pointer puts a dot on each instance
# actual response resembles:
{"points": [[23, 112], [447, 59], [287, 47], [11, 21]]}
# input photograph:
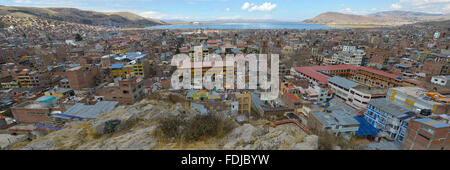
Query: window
{"points": [[427, 129], [425, 137], [125, 92]]}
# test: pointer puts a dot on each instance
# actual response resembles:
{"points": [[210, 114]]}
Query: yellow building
{"points": [[245, 103], [124, 71]]}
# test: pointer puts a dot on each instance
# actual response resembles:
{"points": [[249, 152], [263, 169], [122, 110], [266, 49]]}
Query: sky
{"points": [[204, 10]]}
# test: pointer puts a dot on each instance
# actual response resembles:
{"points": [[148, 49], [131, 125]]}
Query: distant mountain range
{"points": [[227, 21], [120, 19], [251, 21], [379, 18]]}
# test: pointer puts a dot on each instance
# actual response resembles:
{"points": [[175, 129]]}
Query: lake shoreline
{"points": [[244, 26]]}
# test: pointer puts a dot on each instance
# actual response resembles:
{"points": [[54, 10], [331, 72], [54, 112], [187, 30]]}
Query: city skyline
{"points": [[204, 10]]}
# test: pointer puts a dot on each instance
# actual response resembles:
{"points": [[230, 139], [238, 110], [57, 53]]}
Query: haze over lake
{"points": [[228, 26]]}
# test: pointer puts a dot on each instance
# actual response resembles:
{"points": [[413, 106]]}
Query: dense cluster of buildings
{"points": [[388, 87]]}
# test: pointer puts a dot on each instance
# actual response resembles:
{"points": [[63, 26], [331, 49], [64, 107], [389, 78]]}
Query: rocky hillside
{"points": [[138, 127], [121, 19]]}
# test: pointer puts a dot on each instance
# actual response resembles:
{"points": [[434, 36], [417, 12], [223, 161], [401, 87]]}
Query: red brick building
{"points": [[127, 91], [427, 134], [82, 77], [37, 111]]}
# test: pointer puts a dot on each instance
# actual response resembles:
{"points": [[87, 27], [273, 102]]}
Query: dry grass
{"points": [[198, 128], [328, 141]]}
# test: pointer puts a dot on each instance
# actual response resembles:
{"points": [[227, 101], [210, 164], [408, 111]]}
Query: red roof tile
{"points": [[312, 71]]}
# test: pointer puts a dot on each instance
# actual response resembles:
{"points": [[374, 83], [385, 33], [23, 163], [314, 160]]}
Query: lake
{"points": [[244, 26]]}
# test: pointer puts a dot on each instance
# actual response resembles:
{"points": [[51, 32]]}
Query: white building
{"points": [[441, 80], [345, 57], [353, 93]]}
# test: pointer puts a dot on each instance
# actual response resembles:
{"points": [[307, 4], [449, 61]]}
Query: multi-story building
{"points": [[37, 111], [441, 80], [129, 65], [83, 77], [323, 93], [390, 120], [354, 93], [344, 57], [33, 79], [427, 134], [124, 91], [337, 122], [245, 103], [361, 95], [341, 86], [364, 75], [418, 99]]}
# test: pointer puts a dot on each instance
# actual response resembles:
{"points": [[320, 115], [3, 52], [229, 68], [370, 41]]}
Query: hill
{"points": [[340, 18], [116, 19], [409, 16], [161, 124], [386, 18]]}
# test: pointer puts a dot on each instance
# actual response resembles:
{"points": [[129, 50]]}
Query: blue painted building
{"points": [[390, 119]]}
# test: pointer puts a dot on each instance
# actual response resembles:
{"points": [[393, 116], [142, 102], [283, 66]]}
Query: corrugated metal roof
{"points": [[343, 82], [433, 123], [337, 117], [392, 108], [90, 111]]}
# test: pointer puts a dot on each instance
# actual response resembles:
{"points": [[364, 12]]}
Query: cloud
{"points": [[430, 6], [267, 6], [227, 9], [396, 6], [22, 1], [424, 2], [245, 6], [351, 11], [152, 14]]}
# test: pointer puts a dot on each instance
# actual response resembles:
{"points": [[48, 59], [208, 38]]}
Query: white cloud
{"points": [[152, 14], [351, 11], [245, 6], [227, 9], [396, 6], [267, 6], [424, 2], [23, 1], [430, 6]]}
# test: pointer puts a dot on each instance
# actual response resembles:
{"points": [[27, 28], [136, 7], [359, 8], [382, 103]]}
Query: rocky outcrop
{"points": [[133, 128]]}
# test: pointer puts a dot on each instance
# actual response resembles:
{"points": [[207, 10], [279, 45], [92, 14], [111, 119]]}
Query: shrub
{"points": [[197, 128], [327, 141], [170, 126], [176, 99]]}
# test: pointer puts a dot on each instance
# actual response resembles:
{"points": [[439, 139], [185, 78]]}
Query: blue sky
{"points": [[201, 10]]}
